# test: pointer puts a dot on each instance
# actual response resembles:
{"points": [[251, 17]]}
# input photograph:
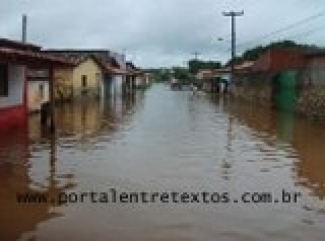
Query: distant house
{"points": [[245, 67], [207, 78], [147, 78], [116, 74], [86, 78], [92, 75], [206, 74], [264, 80], [14, 58], [119, 61], [136, 75]]}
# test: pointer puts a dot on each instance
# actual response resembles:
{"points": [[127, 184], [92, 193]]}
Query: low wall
{"points": [[12, 117], [258, 90], [311, 102], [255, 89]]}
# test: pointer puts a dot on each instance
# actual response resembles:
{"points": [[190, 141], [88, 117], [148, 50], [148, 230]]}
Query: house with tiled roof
{"points": [[136, 76], [15, 57], [93, 74]]}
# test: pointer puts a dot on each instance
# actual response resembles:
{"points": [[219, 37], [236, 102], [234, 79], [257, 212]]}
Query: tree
{"points": [[195, 65], [253, 53], [181, 73], [160, 75]]}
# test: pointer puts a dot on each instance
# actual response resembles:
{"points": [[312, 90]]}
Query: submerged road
{"points": [[165, 165]]}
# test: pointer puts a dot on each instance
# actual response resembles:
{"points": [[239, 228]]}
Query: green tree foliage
{"points": [[180, 73], [160, 74], [254, 53], [195, 65]]}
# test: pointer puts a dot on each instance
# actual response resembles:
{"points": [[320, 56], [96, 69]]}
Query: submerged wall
{"points": [[255, 89], [311, 102], [259, 90]]}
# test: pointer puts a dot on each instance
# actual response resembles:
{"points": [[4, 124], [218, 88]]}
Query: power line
{"points": [[308, 32], [288, 27]]}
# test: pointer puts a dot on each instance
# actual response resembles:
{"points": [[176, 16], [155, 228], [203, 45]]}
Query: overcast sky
{"points": [[156, 33]]}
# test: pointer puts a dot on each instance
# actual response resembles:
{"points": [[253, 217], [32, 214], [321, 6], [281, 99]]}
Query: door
{"points": [[285, 91]]}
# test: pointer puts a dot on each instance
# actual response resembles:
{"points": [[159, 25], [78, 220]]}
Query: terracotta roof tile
{"points": [[31, 57]]}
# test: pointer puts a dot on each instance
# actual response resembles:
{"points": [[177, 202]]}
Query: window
{"points": [[84, 81], [4, 90]]}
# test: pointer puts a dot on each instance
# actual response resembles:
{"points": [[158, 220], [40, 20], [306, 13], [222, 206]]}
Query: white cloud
{"points": [[159, 32]]}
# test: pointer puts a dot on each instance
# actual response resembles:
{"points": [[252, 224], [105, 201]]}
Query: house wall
{"points": [[94, 76], [13, 108], [263, 62], [279, 60], [147, 79], [117, 81], [140, 82], [311, 101], [315, 72], [107, 86], [37, 95], [255, 88], [63, 83], [284, 60], [16, 87]]}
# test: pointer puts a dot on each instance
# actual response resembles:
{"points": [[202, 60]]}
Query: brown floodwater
{"points": [[164, 141]]}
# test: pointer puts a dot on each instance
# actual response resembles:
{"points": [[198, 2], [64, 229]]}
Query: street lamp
{"points": [[233, 15]]}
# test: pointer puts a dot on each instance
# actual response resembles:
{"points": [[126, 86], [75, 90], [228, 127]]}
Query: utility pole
{"points": [[233, 16], [24, 29], [196, 55]]}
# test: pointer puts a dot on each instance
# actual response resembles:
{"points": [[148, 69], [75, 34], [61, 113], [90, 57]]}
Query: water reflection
{"points": [[15, 178], [85, 118], [285, 124], [309, 142], [301, 139], [33, 161], [163, 141]]}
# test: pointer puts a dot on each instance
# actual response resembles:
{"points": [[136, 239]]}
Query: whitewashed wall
{"points": [[317, 71], [117, 84], [35, 99], [15, 97]]}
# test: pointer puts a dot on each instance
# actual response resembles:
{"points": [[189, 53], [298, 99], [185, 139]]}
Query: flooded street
{"points": [[164, 141]]}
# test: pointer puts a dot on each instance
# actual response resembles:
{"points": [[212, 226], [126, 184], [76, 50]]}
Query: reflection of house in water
{"points": [[260, 119], [16, 219], [80, 117], [305, 138], [308, 141], [90, 118]]}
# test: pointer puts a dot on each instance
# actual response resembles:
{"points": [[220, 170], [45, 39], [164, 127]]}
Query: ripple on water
{"points": [[174, 143]]}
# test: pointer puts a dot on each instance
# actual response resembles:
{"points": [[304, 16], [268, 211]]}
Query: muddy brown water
{"points": [[164, 141]]}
